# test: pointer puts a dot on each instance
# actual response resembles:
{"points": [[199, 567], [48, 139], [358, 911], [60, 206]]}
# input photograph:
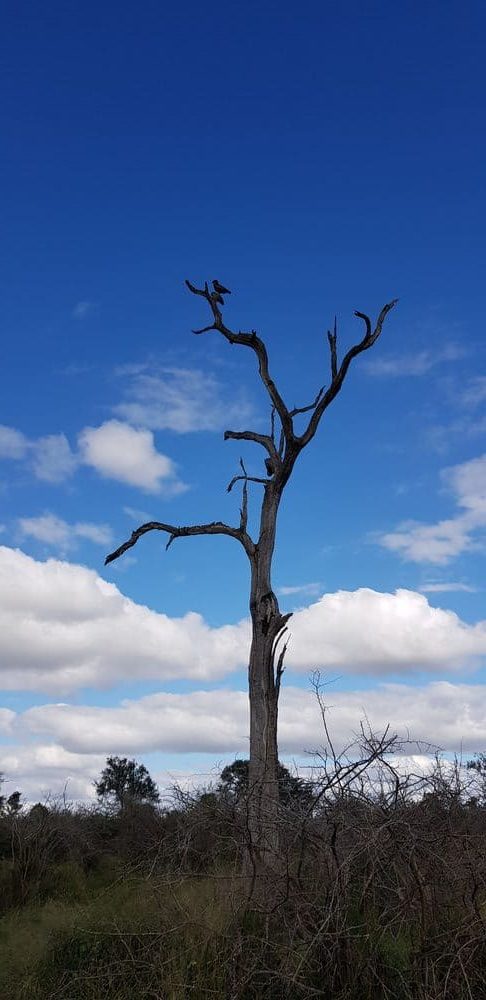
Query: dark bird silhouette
{"points": [[218, 287], [216, 297]]}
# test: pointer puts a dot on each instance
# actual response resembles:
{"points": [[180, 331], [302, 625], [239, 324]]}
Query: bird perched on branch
{"points": [[218, 287]]}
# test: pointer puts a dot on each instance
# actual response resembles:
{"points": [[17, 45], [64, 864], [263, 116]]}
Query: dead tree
{"points": [[269, 626]]}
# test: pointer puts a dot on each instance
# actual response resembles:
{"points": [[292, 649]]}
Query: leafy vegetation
{"points": [[383, 894], [123, 781]]}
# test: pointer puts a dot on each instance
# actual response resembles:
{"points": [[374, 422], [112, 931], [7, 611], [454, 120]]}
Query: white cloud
{"points": [[100, 534], [7, 718], [468, 482], [53, 460], [39, 770], [366, 631], [43, 771], [447, 588], [434, 543], [310, 589], [82, 631], [118, 451], [54, 531], [199, 721], [13, 444], [181, 400], [413, 364], [51, 457], [451, 716], [47, 528], [448, 715], [439, 543]]}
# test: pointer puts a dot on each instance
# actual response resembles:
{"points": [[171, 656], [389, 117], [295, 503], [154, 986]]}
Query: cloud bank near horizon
{"points": [[60, 742], [64, 627]]}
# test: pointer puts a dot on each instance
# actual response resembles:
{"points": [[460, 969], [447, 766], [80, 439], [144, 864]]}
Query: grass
{"points": [[381, 906], [102, 938], [134, 937], [119, 936]]}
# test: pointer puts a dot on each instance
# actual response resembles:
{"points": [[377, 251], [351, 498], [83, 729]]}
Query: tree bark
{"points": [[264, 672], [268, 624]]}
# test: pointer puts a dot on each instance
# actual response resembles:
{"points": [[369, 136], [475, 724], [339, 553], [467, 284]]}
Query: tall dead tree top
{"points": [[282, 453]]}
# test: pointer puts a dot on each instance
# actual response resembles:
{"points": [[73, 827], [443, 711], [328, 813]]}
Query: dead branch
{"points": [[332, 338], [311, 406], [246, 479], [279, 669], [244, 509], [338, 375], [265, 440], [251, 340], [214, 528]]}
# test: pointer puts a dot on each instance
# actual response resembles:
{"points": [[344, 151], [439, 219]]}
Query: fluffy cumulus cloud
{"points": [[83, 631], [380, 633], [63, 627], [181, 400], [441, 542], [114, 449], [118, 451]]}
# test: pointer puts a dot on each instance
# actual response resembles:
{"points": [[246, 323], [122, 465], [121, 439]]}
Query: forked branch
{"points": [[282, 458], [311, 406], [339, 373], [245, 479]]}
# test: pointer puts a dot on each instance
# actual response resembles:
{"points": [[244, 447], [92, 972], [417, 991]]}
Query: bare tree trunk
{"points": [[263, 692], [264, 673], [263, 771], [268, 624]]}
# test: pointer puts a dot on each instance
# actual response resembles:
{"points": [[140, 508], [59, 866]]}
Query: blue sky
{"points": [[317, 160]]}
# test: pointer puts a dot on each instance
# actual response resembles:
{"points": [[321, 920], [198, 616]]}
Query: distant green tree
{"points": [[294, 793], [39, 812], [124, 781], [11, 805]]}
